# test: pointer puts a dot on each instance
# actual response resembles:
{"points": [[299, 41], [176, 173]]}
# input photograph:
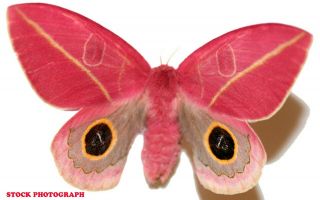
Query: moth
{"points": [[74, 63]]}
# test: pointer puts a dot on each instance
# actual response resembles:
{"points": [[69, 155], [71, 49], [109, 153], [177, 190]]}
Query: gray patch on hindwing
{"points": [[127, 120], [194, 123]]}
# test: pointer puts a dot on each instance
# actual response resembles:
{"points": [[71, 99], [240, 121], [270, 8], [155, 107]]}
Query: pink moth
{"points": [[74, 63]]}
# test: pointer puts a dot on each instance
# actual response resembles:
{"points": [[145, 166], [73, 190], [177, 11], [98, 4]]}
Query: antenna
{"points": [[172, 54]]}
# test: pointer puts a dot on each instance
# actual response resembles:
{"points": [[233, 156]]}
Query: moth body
{"points": [[161, 140]]}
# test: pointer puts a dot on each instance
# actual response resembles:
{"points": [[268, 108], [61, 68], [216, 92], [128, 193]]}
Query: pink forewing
{"points": [[245, 73], [72, 61]]}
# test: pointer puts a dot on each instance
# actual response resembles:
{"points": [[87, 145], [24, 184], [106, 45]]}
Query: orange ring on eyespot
{"points": [[112, 144], [213, 125]]}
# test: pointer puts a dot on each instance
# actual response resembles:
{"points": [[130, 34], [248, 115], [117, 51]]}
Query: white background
{"points": [[162, 29]]}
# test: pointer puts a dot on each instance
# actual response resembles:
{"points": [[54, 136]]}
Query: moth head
{"points": [[98, 139], [221, 143]]}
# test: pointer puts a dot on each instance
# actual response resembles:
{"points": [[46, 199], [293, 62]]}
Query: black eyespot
{"points": [[98, 139], [221, 143]]}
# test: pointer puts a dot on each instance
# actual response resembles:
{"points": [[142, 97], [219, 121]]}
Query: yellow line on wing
{"points": [[200, 80], [56, 45], [257, 64]]}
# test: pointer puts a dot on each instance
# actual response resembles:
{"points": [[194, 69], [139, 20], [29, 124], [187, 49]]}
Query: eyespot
{"points": [[221, 143], [98, 139]]}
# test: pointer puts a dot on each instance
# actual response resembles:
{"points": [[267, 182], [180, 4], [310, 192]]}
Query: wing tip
{"points": [[15, 7]]}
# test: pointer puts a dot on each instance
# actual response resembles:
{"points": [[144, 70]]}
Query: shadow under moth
{"points": [[75, 64]]}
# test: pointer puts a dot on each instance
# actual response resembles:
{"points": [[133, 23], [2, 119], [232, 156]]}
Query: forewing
{"points": [[70, 60], [91, 149], [246, 73]]}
